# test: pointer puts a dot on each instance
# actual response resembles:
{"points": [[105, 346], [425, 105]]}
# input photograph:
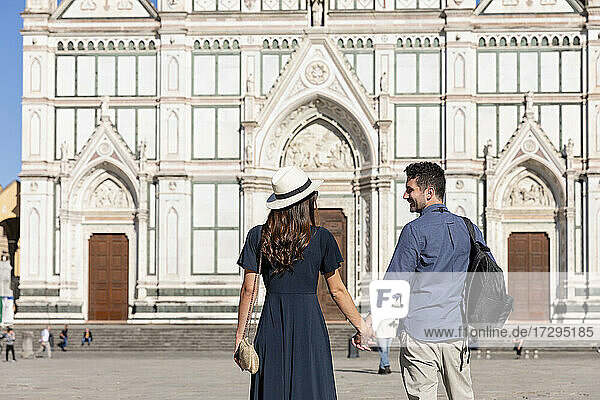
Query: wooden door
{"points": [[336, 222], [529, 276], [109, 259]]}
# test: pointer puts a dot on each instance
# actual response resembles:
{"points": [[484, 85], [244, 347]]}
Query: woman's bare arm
{"points": [[244, 306], [344, 301]]}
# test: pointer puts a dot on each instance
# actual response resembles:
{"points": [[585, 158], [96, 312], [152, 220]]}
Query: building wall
{"points": [[206, 98]]}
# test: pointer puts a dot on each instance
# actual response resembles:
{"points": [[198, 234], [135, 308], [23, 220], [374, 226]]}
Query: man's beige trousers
{"points": [[420, 363]]}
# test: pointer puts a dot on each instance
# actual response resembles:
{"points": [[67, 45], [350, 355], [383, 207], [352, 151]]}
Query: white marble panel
{"points": [[65, 76], [147, 130], [228, 245], [365, 70], [571, 126], [65, 130], [550, 119], [147, 75], [486, 72], [204, 252], [528, 71], [229, 74], [429, 73], [86, 76], [228, 132], [571, 71], [204, 74], [406, 73], [106, 76], [204, 205], [126, 126], [549, 71], [507, 121], [35, 130], [429, 132], [406, 131], [486, 126], [173, 242], [270, 71], [507, 78], [204, 132], [85, 126], [126, 75], [228, 205]]}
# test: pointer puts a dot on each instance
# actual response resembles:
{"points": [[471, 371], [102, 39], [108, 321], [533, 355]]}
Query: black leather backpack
{"points": [[486, 301]]}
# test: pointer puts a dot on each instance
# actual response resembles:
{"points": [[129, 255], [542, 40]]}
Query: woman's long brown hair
{"points": [[286, 233]]}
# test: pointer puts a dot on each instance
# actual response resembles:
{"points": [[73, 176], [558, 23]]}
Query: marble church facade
{"points": [[150, 135]]}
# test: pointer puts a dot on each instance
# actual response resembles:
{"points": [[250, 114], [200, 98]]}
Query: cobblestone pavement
{"points": [[207, 376]]}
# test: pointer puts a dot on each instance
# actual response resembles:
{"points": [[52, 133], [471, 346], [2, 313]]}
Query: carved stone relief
{"points": [[317, 148], [528, 192], [109, 195], [317, 72]]}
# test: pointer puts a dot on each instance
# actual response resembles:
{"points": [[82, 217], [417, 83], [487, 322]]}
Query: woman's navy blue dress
{"points": [[292, 340]]}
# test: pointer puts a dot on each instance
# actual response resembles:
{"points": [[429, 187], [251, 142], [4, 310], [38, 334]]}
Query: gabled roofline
{"points": [[65, 4], [575, 4]]}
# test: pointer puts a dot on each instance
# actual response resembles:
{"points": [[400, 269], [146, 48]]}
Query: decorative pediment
{"points": [[491, 7], [318, 66], [529, 142], [105, 149], [102, 9]]}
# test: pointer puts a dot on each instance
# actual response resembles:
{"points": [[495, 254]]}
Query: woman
{"points": [[291, 339]]}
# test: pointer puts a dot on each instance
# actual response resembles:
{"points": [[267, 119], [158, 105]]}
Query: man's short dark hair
{"points": [[428, 174]]}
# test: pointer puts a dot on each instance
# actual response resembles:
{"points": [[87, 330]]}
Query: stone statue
{"points": [[250, 85], [529, 104], [384, 86], [64, 151], [317, 12], [105, 112]]}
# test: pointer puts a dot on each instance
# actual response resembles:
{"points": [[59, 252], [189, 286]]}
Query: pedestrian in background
{"points": [[10, 343], [45, 342], [87, 337], [383, 346], [63, 338]]}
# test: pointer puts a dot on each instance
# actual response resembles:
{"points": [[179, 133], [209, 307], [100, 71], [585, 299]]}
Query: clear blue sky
{"points": [[11, 89]]}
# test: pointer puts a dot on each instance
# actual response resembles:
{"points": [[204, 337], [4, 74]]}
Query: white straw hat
{"points": [[290, 185]]}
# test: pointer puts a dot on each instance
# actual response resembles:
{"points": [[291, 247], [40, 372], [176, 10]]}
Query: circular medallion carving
{"points": [[34, 187], [104, 149], [529, 145], [172, 186], [317, 72], [460, 184]]}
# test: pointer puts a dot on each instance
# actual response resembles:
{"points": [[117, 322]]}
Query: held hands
{"points": [[365, 336]]}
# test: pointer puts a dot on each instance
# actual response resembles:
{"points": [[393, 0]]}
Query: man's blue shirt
{"points": [[432, 254]]}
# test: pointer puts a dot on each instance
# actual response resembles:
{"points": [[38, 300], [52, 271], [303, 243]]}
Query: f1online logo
{"points": [[389, 303]]}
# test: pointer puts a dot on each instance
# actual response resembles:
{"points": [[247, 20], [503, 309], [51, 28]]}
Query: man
{"points": [[433, 255], [87, 337], [64, 336], [45, 342]]}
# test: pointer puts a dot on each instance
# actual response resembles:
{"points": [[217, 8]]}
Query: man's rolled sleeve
{"points": [[406, 255]]}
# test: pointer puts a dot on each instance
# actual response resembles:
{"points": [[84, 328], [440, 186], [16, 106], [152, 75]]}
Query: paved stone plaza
{"points": [[207, 376]]}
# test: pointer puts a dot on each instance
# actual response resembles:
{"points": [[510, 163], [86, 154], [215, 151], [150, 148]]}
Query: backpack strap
{"points": [[470, 229]]}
